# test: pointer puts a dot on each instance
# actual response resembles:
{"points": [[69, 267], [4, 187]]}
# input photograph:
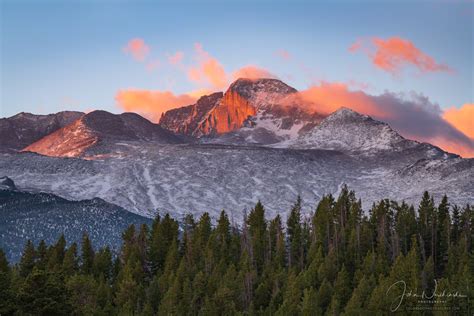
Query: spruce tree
{"points": [[27, 261], [295, 237], [87, 255]]}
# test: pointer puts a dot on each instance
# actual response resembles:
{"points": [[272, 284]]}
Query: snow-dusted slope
{"points": [[348, 130], [35, 216], [199, 178]]}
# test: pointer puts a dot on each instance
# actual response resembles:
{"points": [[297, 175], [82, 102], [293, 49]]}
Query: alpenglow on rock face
{"points": [[279, 152], [21, 130], [218, 113], [99, 129]]}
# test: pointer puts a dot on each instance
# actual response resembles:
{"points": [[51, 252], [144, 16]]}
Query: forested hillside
{"points": [[338, 261]]}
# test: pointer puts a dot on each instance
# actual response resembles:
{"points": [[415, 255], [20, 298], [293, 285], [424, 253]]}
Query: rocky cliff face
{"points": [[218, 114], [229, 114], [185, 120]]}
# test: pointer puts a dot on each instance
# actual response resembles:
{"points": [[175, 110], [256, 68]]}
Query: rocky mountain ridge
{"points": [[23, 129], [100, 128]]}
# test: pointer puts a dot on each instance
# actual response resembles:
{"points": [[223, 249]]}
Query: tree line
{"points": [[337, 260]]}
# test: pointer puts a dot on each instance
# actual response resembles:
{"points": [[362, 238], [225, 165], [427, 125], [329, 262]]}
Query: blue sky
{"points": [[58, 55]]}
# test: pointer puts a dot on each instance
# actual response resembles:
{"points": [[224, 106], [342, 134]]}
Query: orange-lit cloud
{"points": [[395, 53], [208, 71], [462, 118], [283, 54], [252, 72], [151, 103], [413, 116], [137, 48], [176, 58], [326, 98]]}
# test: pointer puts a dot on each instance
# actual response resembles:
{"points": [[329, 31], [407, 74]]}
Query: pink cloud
{"points": [[395, 54], [208, 71], [152, 103], [413, 116], [137, 48], [252, 72]]}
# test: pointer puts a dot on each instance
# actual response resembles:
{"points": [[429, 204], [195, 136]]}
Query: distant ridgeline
{"points": [[44, 216], [338, 261]]}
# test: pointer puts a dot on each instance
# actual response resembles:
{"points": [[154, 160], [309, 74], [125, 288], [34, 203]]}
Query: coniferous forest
{"points": [[339, 260]]}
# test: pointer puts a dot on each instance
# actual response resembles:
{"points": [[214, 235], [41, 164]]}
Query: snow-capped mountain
{"points": [[349, 131], [23, 129], [250, 111], [239, 147], [35, 216], [98, 129]]}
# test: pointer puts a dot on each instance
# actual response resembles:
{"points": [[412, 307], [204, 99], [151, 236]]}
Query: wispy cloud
{"points": [[252, 72], [137, 48], [208, 71], [395, 54]]}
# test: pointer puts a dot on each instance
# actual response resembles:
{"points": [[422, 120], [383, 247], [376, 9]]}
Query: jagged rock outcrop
{"points": [[218, 114], [185, 120], [229, 114]]}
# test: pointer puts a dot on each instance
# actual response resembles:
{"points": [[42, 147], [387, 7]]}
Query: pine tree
{"points": [[295, 238], [342, 288], [292, 297], [57, 253], [103, 264], [309, 305], [27, 261], [357, 304], [257, 231], [43, 294], [323, 223], [7, 293], [324, 295], [443, 235], [82, 292], [41, 255], [87, 255], [427, 222], [164, 232], [276, 244], [70, 262]]}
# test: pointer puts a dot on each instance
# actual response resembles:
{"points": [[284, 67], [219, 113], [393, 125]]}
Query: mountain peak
{"points": [[346, 113], [98, 129], [348, 130], [23, 129], [249, 87]]}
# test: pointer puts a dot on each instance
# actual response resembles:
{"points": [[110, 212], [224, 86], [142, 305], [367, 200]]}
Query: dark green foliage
{"points": [[338, 262]]}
